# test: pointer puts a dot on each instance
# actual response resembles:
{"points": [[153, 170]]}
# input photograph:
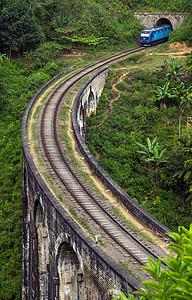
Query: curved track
{"points": [[79, 196]]}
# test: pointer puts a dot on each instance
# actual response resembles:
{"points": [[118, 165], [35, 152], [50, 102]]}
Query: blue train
{"points": [[155, 35]]}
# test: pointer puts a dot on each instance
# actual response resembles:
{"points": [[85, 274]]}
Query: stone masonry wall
{"points": [[149, 20]]}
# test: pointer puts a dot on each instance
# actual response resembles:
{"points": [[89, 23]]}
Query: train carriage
{"points": [[155, 35]]}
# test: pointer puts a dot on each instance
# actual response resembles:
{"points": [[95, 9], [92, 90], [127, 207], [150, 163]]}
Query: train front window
{"points": [[144, 34]]}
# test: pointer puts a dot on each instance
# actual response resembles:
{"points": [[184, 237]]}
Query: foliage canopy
{"points": [[88, 23], [175, 281], [19, 29]]}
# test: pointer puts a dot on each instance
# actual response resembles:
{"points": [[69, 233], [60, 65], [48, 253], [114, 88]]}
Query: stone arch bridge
{"points": [[150, 20], [60, 261]]}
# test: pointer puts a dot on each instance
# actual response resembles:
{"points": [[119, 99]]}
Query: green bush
{"points": [[121, 86], [44, 54], [184, 32], [51, 69], [37, 79]]}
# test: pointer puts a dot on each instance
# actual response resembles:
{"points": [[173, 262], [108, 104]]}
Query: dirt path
{"points": [[110, 110], [180, 50]]}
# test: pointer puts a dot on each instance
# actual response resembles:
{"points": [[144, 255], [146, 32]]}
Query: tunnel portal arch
{"points": [[163, 22], [150, 19]]}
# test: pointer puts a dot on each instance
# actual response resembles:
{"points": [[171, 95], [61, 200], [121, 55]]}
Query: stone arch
{"points": [[162, 22], [81, 120], [91, 102], [26, 236], [71, 279], [42, 250]]}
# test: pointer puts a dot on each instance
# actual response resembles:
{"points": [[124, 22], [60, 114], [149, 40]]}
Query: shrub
{"points": [[37, 79], [121, 86], [44, 54], [51, 69]]}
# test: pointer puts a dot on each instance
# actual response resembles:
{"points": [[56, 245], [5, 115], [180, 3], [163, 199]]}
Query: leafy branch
{"points": [[91, 40], [153, 152], [174, 282]]}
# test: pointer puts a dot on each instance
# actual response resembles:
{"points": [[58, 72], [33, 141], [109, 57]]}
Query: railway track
{"points": [[125, 242]]}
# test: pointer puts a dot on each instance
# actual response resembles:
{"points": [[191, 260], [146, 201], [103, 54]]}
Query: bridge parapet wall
{"points": [[91, 92], [54, 244], [139, 213]]}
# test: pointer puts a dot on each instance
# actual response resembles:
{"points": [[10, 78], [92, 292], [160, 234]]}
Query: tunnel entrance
{"points": [[163, 22]]}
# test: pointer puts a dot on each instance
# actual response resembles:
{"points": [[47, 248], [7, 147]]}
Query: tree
{"points": [[162, 93], [186, 153], [153, 152], [44, 53], [174, 282], [185, 171], [184, 96], [19, 30], [61, 20], [153, 156], [174, 68]]}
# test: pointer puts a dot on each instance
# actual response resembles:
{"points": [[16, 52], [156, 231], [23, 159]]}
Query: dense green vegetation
{"points": [[10, 178], [87, 23], [167, 5], [184, 32], [19, 81], [174, 282], [36, 32], [143, 138]]}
